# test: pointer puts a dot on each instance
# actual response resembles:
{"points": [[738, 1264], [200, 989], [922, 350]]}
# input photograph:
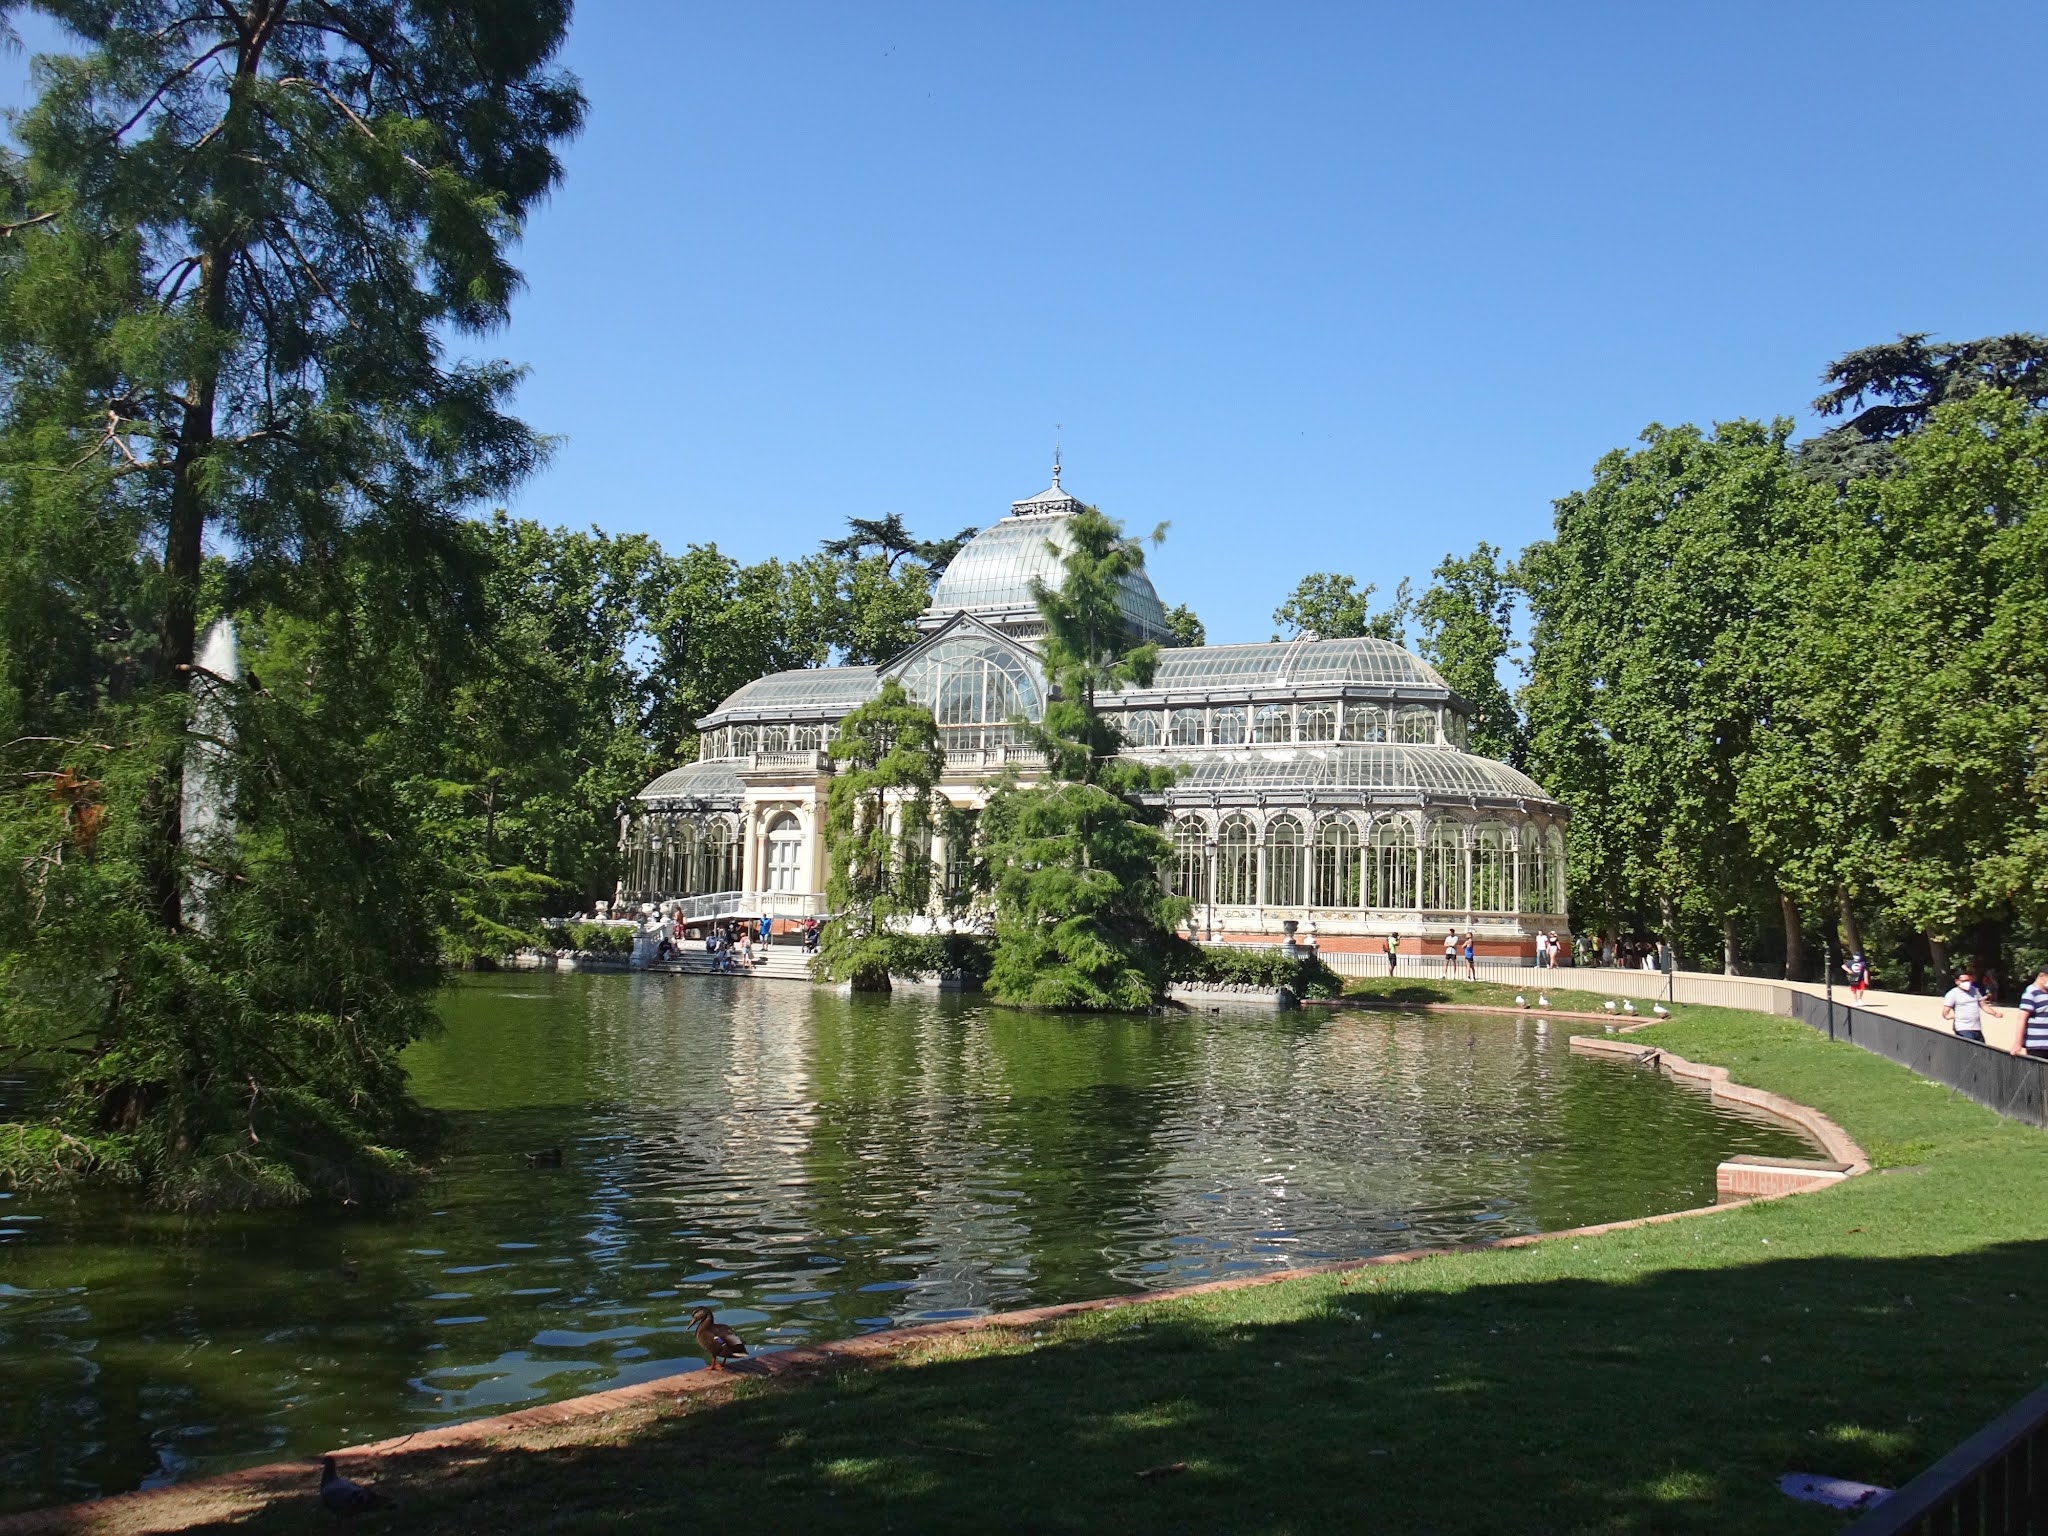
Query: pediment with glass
{"points": [[979, 687]]}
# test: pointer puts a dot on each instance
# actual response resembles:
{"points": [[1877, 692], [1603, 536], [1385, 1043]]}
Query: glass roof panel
{"points": [[809, 687], [694, 780], [1293, 663], [1385, 767], [993, 573]]}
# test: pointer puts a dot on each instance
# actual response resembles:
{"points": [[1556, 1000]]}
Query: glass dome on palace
{"points": [[1323, 781]]}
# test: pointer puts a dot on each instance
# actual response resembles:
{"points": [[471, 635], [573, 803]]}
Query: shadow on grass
{"points": [[1666, 1404]]}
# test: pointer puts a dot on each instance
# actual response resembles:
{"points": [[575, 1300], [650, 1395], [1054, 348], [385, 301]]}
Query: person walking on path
{"points": [[1393, 951], [1542, 950], [1471, 971], [1857, 969], [2032, 1039], [1451, 953], [1963, 1006]]}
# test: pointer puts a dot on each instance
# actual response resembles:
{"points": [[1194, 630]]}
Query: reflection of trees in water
{"points": [[796, 1143]]}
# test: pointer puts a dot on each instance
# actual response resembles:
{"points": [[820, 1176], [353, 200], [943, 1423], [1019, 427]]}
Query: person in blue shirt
{"points": [[2032, 1039]]}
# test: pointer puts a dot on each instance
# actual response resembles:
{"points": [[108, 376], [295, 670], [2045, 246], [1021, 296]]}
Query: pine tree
{"points": [[1081, 919]]}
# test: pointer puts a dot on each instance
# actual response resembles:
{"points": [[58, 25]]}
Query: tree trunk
{"points": [[1667, 920], [1937, 950], [1795, 939], [178, 631], [1852, 935], [1731, 948]]}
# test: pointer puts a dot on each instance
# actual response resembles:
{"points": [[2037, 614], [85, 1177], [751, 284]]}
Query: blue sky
{"points": [[1335, 287]]}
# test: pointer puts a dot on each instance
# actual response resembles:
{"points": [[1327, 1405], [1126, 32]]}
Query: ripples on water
{"points": [[811, 1166]]}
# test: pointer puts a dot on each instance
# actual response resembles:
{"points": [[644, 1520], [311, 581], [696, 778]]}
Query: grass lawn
{"points": [[1655, 1380]]}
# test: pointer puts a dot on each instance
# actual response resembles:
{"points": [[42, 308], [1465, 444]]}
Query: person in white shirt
{"points": [[1963, 1006]]}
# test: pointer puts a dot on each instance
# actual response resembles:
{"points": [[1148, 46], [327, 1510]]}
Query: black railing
{"points": [[2015, 1086], [1994, 1484]]}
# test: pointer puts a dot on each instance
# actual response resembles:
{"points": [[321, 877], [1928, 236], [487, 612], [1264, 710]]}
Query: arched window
{"points": [[1318, 722], [1415, 724], [1391, 869], [1236, 862], [743, 739], [1184, 728], [1226, 727], [1141, 728], [1283, 862], [1553, 841], [803, 738], [1190, 860], [974, 688], [774, 738], [1334, 866], [721, 863], [1443, 868], [785, 853], [1365, 722], [1493, 868], [1458, 730], [1271, 723], [687, 863]]}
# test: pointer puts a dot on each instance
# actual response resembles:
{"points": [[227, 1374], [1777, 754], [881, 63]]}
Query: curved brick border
{"points": [[232, 1494]]}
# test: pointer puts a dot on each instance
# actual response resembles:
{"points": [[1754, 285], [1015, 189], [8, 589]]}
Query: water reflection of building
{"points": [[1327, 781]]}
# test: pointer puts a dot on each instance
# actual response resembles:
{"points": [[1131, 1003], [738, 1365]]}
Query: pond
{"points": [[812, 1166]]}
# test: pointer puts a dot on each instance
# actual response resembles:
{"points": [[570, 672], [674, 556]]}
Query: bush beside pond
{"points": [[1231, 965]]}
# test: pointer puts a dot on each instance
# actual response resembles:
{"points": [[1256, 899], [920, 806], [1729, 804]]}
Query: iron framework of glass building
{"points": [[1323, 781]]}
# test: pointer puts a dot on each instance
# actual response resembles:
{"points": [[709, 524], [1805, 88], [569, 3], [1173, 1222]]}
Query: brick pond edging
{"points": [[229, 1495]]}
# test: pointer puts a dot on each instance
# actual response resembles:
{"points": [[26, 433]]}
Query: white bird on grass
{"points": [[1628, 1007], [1660, 1010], [1542, 1001], [1521, 1001], [1611, 1005]]}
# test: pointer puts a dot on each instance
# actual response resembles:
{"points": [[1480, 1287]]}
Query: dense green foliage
{"points": [[1081, 920], [1242, 965], [879, 818], [1894, 386], [241, 236], [1467, 617], [1187, 629], [1337, 608]]}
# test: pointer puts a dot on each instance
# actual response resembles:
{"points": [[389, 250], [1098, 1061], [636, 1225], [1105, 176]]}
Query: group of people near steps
{"points": [[1964, 1007]]}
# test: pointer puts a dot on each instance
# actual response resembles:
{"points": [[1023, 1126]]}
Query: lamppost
{"points": [[1209, 883]]}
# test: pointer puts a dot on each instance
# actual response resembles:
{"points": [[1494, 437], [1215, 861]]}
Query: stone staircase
{"points": [[773, 962]]}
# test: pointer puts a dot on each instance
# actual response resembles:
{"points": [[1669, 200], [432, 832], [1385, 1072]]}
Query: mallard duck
{"points": [[718, 1342], [345, 1498], [551, 1158]]}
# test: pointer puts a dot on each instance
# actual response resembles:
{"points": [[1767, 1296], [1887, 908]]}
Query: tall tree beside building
{"points": [[241, 234], [1644, 693], [1336, 607], [1466, 617], [1081, 919], [880, 814]]}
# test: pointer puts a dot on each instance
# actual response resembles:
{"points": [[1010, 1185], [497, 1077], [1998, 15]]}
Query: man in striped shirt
{"points": [[2033, 1035]]}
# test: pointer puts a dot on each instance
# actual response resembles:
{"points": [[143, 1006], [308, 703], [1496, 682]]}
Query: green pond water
{"points": [[812, 1166]]}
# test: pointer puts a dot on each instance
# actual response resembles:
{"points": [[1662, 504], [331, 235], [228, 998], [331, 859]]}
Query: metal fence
{"points": [[1994, 1484], [2015, 1086]]}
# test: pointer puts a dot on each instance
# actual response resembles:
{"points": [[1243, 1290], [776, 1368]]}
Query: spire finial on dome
{"points": [[1055, 466]]}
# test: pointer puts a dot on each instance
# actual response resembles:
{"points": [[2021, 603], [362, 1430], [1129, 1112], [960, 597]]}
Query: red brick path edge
{"points": [[233, 1494]]}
